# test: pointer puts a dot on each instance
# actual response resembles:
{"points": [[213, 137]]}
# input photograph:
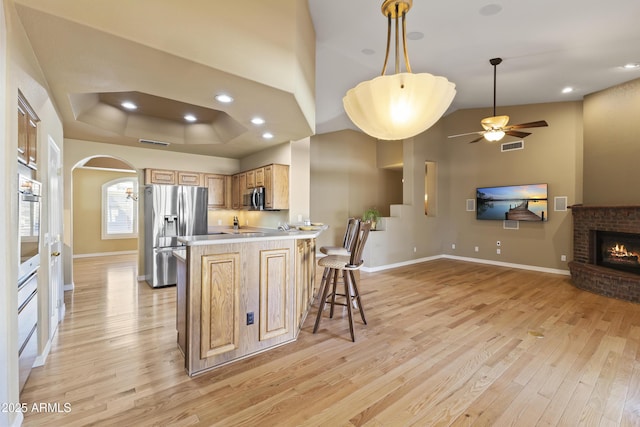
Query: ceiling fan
{"points": [[495, 127]]}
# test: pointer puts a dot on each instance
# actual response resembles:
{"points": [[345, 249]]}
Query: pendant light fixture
{"points": [[403, 104]]}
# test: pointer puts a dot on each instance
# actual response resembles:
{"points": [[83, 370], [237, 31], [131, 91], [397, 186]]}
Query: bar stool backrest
{"points": [[360, 240], [350, 234]]}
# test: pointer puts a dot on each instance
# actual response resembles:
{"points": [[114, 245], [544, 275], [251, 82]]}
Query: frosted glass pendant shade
{"points": [[398, 106]]}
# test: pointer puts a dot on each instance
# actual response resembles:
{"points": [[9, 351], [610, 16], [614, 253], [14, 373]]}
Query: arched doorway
{"points": [[97, 205]]}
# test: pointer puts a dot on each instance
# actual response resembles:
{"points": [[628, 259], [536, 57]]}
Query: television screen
{"points": [[513, 202]]}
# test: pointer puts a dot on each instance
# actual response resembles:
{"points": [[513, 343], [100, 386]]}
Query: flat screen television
{"points": [[512, 202]]}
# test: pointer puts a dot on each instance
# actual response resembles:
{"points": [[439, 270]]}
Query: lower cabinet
{"points": [[305, 278], [220, 317], [27, 328], [238, 299]]}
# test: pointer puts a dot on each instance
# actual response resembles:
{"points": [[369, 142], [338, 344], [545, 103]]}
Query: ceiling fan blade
{"points": [[476, 140], [517, 133], [538, 124], [468, 133]]}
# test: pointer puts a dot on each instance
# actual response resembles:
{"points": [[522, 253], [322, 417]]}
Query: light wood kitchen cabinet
{"points": [[190, 178], [27, 133], [276, 186], [274, 293], [242, 185], [259, 173], [236, 194], [251, 179], [160, 176], [305, 278], [236, 299], [220, 318], [217, 190]]}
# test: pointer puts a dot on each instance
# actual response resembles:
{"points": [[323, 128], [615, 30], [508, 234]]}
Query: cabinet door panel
{"points": [[189, 178], [217, 189], [220, 321], [274, 298], [251, 179], [23, 123], [159, 176], [259, 177]]}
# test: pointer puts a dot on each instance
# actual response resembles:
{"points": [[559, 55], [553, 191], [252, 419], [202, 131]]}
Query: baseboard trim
{"points": [[467, 259], [104, 254], [399, 264], [42, 358]]}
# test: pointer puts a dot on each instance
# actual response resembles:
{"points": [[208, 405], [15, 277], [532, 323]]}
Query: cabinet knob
{"points": [[55, 253]]}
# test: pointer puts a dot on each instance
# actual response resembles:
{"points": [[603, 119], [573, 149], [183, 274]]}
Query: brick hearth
{"points": [[584, 273]]}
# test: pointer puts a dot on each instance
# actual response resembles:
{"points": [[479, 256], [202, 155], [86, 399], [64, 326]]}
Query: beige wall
{"points": [[87, 213], [345, 181], [549, 156], [612, 145], [19, 70], [344, 166]]}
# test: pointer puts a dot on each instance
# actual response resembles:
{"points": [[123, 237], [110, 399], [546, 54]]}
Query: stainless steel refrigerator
{"points": [[170, 211]]}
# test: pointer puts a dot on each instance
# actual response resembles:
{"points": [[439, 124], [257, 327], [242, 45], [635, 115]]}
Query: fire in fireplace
{"points": [[620, 251]]}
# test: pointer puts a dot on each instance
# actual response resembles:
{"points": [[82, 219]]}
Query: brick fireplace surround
{"points": [[585, 274]]}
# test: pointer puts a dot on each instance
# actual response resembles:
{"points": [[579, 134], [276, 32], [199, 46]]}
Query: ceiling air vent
{"points": [[152, 142], [510, 146]]}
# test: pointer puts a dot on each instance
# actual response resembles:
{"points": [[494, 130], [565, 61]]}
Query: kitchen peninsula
{"points": [[241, 292]]}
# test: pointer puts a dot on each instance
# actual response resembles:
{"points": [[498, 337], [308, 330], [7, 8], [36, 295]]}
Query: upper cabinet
{"points": [[276, 186], [275, 180], [226, 192], [159, 176], [27, 133], [190, 178], [251, 179], [217, 186]]}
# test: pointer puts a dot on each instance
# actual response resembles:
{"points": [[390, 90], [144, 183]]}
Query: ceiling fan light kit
{"points": [[401, 105], [495, 127]]}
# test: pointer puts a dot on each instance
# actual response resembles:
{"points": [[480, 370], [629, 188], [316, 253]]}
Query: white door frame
{"points": [[56, 275]]}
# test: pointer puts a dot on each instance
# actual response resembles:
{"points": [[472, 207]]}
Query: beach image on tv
{"points": [[515, 202]]}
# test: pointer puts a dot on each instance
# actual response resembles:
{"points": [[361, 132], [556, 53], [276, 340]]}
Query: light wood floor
{"points": [[448, 343]]}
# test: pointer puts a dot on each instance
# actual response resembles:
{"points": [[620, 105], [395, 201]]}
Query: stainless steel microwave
{"points": [[254, 199]]}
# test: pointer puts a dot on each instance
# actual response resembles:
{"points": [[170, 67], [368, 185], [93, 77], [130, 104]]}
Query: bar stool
{"points": [[344, 266], [347, 241]]}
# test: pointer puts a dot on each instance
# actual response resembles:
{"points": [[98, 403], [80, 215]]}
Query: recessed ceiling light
{"points": [[257, 121], [567, 90], [224, 98], [490, 9], [190, 118], [631, 66], [267, 135], [129, 105]]}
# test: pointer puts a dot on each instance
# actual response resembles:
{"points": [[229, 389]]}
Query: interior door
{"points": [[56, 308]]}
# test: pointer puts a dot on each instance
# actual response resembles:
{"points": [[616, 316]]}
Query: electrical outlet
{"points": [[477, 249], [498, 243], [453, 246], [415, 249], [250, 318], [498, 251], [563, 257]]}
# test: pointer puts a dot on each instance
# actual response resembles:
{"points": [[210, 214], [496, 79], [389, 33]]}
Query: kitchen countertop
{"points": [[222, 235]]}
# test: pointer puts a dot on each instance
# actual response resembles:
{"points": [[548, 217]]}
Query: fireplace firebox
{"points": [[612, 234], [620, 251]]}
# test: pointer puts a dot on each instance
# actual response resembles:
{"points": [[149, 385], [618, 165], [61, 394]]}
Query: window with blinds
{"points": [[119, 209]]}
